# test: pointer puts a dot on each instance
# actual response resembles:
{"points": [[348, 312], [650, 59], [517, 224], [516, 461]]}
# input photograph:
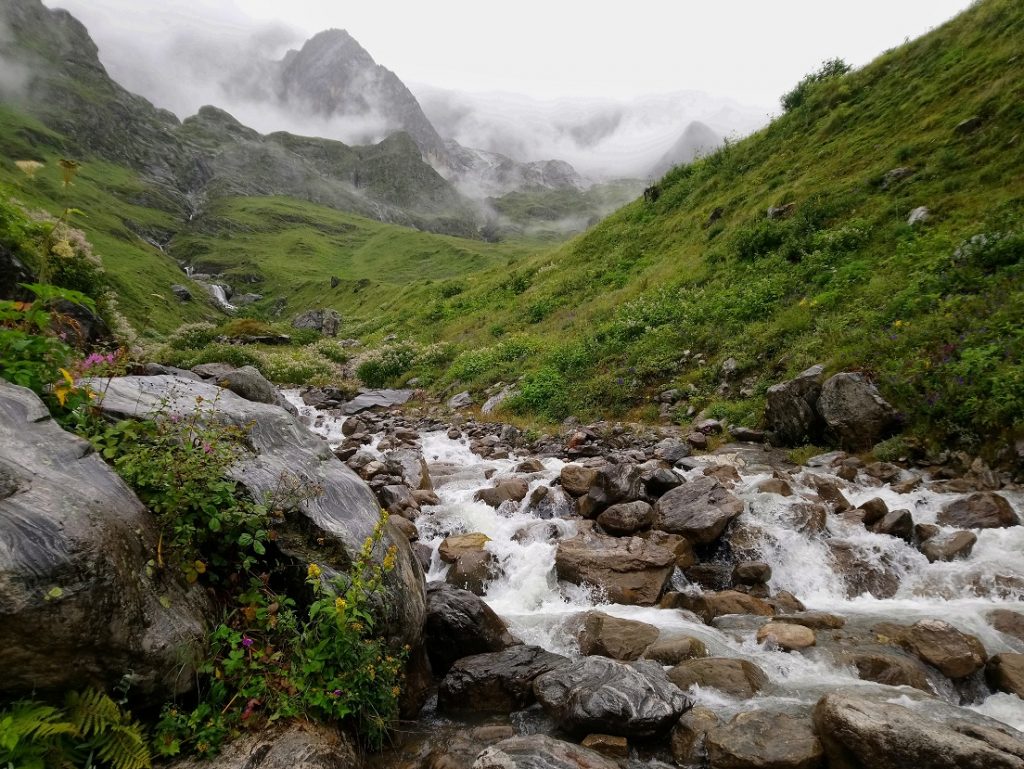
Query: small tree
{"points": [[830, 69]]}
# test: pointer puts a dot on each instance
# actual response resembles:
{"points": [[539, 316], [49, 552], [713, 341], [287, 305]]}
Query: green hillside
{"points": [[935, 312]]}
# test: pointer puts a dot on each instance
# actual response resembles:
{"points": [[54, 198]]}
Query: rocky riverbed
{"points": [[836, 613]]}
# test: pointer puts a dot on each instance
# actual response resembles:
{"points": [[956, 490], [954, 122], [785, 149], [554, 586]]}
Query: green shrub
{"points": [[192, 336], [387, 365], [829, 70], [241, 327]]}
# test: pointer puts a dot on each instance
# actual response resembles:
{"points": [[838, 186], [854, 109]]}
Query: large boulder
{"points": [[326, 321], [1005, 673], [764, 739], [633, 570], [954, 653], [948, 546], [505, 490], [735, 677], [790, 415], [858, 733], [78, 605], [597, 694], [497, 682], [711, 604], [626, 518], [984, 510], [460, 624], [538, 751], [328, 529], [246, 382], [376, 399], [699, 510], [295, 745], [411, 467], [855, 412], [620, 639]]}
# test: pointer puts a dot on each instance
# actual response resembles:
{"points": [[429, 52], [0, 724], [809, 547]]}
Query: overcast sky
{"points": [[748, 50]]}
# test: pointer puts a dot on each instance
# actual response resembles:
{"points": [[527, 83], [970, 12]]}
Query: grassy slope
{"points": [[601, 323]]}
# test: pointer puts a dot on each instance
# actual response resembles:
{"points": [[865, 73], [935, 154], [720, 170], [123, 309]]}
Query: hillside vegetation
{"points": [[934, 312]]}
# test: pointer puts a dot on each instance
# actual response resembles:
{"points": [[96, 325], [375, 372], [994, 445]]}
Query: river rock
{"points": [[752, 573], [328, 529], [1005, 673], [711, 604], [874, 509], [326, 321], [735, 677], [1008, 622], [790, 413], [672, 651], [863, 573], [293, 745], [398, 500], [858, 733], [461, 400], [699, 510], [788, 637], [505, 490], [855, 412], [376, 399], [411, 466], [764, 740], [493, 403], [550, 502], [538, 751], [938, 643], [661, 480], [631, 571], [984, 510], [948, 546], [246, 382], [774, 486], [626, 518], [816, 620], [596, 694], [496, 682], [897, 523], [577, 479], [460, 624], [77, 604], [887, 666], [619, 639], [404, 525], [471, 564], [607, 745], [689, 737]]}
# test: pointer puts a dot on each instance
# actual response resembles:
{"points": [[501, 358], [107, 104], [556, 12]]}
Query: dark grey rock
{"points": [[855, 412], [460, 624], [496, 682]]}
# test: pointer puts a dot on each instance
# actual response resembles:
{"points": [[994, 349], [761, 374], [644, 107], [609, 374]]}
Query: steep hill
{"points": [[662, 292]]}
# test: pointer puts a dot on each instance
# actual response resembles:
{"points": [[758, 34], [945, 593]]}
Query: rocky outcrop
{"points": [[984, 510], [328, 529], [633, 570], [764, 739], [498, 682], [699, 510], [78, 605], [597, 694], [326, 321], [376, 399], [537, 751], [460, 624], [858, 733], [855, 412], [735, 677], [296, 745]]}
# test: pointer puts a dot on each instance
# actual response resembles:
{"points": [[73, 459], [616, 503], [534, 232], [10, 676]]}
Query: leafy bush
{"points": [[543, 392], [192, 336], [382, 368], [242, 327], [90, 731], [829, 70]]}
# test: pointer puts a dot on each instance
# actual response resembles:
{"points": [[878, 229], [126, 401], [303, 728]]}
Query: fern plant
{"points": [[90, 731]]}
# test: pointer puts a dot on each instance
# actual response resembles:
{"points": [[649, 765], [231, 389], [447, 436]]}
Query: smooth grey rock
{"points": [[596, 694], [919, 215], [698, 510], [460, 401], [181, 292], [496, 682], [371, 399], [246, 382], [494, 402], [790, 414], [855, 412], [460, 624], [538, 751], [630, 570], [326, 321], [77, 604], [342, 517]]}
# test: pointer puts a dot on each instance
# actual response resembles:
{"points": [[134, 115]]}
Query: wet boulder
{"points": [[711, 604], [948, 546], [787, 636], [78, 605], [577, 479], [1008, 622], [471, 565], [597, 694], [896, 523], [699, 510], [858, 733], [984, 510], [955, 653], [735, 677], [619, 639], [864, 571], [460, 624], [496, 682], [626, 518], [885, 666], [672, 651], [410, 466], [688, 741], [505, 490], [764, 739], [538, 751], [1005, 673], [790, 415], [630, 570], [294, 745], [855, 412]]}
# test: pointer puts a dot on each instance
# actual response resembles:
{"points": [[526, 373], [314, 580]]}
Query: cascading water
{"points": [[220, 297], [541, 610]]}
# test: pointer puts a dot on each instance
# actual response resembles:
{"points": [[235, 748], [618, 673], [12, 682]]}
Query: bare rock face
{"points": [[855, 412], [497, 682], [597, 694], [699, 510], [858, 733], [633, 570], [77, 607], [328, 529], [984, 510], [460, 624], [790, 411], [537, 751], [619, 639], [735, 677], [765, 740]]}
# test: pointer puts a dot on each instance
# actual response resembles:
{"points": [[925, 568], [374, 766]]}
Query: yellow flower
{"points": [[395, 691], [339, 605], [313, 571]]}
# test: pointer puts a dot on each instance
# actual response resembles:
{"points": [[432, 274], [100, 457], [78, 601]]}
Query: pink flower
{"points": [[207, 448], [246, 641]]}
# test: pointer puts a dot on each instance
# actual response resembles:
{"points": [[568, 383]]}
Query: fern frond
{"points": [[92, 711], [32, 719], [125, 747]]}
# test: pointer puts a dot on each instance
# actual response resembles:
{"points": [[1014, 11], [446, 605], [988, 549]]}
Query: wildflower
{"points": [[395, 691], [207, 448], [246, 641], [313, 571], [336, 692], [339, 605]]}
